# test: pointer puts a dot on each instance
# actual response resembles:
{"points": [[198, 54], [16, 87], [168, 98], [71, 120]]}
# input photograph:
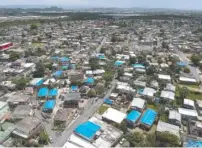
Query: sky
{"points": [[176, 4]]}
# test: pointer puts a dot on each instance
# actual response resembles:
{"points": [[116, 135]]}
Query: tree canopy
{"points": [[40, 70], [195, 59]]}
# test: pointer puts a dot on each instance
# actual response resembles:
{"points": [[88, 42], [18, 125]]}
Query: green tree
{"points": [[141, 59], [99, 89], [183, 93], [14, 56], [151, 70], [120, 72], [200, 66], [33, 26], [108, 75], [21, 83], [39, 71], [133, 60], [91, 93], [94, 63], [166, 139], [136, 139], [195, 59], [43, 138], [186, 70]]}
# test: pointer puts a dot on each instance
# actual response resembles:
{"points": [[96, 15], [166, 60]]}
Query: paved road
{"points": [[60, 141]]}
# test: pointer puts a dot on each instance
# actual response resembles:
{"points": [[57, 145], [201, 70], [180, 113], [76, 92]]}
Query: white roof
{"points": [[35, 81], [79, 141], [138, 102], [164, 77], [98, 71], [3, 104], [149, 92], [128, 74], [114, 115], [187, 112], [70, 145], [166, 127], [168, 95], [185, 79], [114, 95], [122, 83], [51, 80], [164, 65], [174, 115], [189, 102]]}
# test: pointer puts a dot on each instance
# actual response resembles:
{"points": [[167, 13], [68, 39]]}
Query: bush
{"points": [[186, 70]]}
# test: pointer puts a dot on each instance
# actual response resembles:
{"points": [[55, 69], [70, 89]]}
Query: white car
{"points": [[51, 139]]}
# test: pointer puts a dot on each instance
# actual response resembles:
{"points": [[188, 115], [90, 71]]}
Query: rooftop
{"points": [[166, 127]]}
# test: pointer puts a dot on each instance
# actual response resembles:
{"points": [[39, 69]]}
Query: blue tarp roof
{"points": [[138, 65], [65, 67], [55, 58], [182, 64], [148, 117], [49, 105], [74, 88], [43, 92], [193, 143], [133, 116], [89, 80], [58, 73], [53, 92], [64, 59], [119, 63], [39, 82], [87, 130], [108, 101]]}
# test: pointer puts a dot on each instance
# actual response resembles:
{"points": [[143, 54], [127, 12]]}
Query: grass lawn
{"points": [[102, 109], [191, 85], [37, 44], [194, 95], [152, 106]]}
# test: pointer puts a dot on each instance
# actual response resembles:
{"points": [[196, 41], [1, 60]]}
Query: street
{"points": [[60, 140]]}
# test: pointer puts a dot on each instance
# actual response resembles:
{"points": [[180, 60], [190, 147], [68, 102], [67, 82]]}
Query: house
{"points": [[113, 96], [188, 113], [4, 110], [199, 107], [164, 77], [174, 118], [167, 95], [189, 104], [71, 100], [75, 76], [15, 99], [133, 117], [166, 127], [138, 104], [113, 115], [27, 127], [141, 84], [62, 116], [21, 111], [194, 129], [148, 119], [36, 82], [187, 80], [149, 93], [119, 63], [49, 105], [170, 87]]}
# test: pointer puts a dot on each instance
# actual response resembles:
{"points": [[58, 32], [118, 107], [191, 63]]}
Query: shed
{"points": [[108, 101]]}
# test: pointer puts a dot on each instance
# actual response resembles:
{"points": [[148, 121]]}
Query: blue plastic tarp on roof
{"points": [[148, 117], [108, 101], [53, 92], [54, 58], [49, 105], [58, 73], [87, 130], [133, 116], [138, 66], [74, 88], [193, 143], [119, 63], [65, 67], [64, 59], [43, 92], [182, 64], [89, 80], [39, 82]]}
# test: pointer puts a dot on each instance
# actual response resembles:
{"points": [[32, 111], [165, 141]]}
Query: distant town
{"points": [[100, 78]]}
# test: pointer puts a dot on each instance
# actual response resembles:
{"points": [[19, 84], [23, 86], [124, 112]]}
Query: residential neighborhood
{"points": [[104, 82]]}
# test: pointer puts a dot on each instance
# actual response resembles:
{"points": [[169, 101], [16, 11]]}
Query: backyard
{"points": [[102, 109]]}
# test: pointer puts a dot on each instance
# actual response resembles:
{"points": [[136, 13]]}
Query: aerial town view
{"points": [[101, 73]]}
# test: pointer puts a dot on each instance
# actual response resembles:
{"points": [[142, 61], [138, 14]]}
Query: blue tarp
{"points": [[148, 117], [140, 91], [39, 82], [74, 88], [108, 101], [193, 143], [49, 105], [138, 66], [58, 73], [54, 58], [89, 80], [64, 59], [87, 130], [65, 67], [43, 92], [133, 116], [53, 92], [182, 64], [119, 63]]}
